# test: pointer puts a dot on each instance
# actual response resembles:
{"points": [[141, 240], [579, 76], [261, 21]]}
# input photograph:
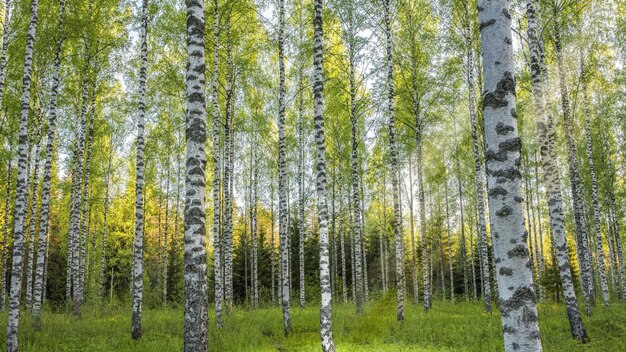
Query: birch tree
{"points": [[139, 184], [195, 335], [555, 202], [326, 330], [520, 323], [282, 177], [395, 173], [47, 176], [21, 196], [217, 244]]}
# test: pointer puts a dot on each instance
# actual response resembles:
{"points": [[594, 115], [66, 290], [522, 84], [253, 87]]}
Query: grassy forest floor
{"points": [[448, 327]]}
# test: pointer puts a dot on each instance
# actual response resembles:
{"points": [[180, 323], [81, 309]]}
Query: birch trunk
{"points": [[412, 228], [104, 223], [5, 236], [301, 225], [3, 49], [480, 197], [31, 231], [47, 176], [397, 206], [195, 336], [272, 241], [594, 198], [255, 220], [166, 246], [555, 202], [574, 176], [517, 296], [282, 175], [326, 330], [462, 224], [344, 287], [228, 173], [449, 243], [614, 223], [364, 242], [73, 258], [356, 207], [426, 274], [139, 212], [85, 199], [217, 241], [472, 267], [22, 193]]}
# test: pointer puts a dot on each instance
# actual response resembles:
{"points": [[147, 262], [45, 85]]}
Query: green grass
{"points": [[448, 327]]}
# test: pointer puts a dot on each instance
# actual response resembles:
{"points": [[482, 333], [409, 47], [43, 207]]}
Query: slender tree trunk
{"points": [[272, 242], [614, 223], [356, 207], [352, 260], [412, 227], [47, 177], [282, 175], [397, 206], [85, 199], [104, 224], [139, 220], [31, 225], [22, 193], [574, 176], [195, 336], [166, 246], [539, 221], [228, 171], [326, 330], [422, 211], [5, 236], [442, 277], [255, 221], [364, 242], [462, 224], [344, 287], [449, 244], [530, 209], [333, 230], [517, 296], [4, 46], [478, 174], [555, 203], [301, 222], [217, 244], [73, 262], [159, 227], [594, 198], [472, 267]]}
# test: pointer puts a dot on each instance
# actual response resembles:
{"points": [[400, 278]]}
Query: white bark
{"points": [[21, 187], [282, 177], [195, 336], [395, 173], [546, 137], [326, 330], [139, 212], [515, 282]]}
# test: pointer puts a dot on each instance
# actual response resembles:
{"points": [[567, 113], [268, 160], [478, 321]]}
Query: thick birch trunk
{"points": [[22, 193], [517, 296], [195, 336]]}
